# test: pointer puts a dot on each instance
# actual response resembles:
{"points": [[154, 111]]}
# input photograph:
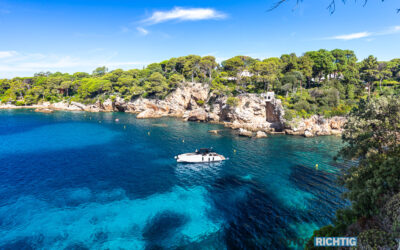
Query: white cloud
{"points": [[14, 64], [389, 31], [5, 54], [142, 31], [182, 14], [365, 34], [352, 36]]}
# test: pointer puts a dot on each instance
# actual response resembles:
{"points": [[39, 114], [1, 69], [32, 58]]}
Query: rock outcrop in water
{"points": [[251, 113], [316, 125]]}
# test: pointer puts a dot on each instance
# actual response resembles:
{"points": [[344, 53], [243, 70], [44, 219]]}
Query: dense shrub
{"points": [[374, 239], [200, 102], [232, 101]]}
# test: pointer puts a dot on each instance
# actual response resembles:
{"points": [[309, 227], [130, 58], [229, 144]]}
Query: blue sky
{"points": [[70, 36]]}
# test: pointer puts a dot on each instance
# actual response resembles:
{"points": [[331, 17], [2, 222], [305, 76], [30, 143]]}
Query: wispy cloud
{"points": [[5, 54], [142, 31], [352, 36], [14, 63], [182, 14], [366, 34]]}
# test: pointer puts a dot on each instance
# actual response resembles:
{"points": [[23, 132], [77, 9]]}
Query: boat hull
{"points": [[198, 158]]}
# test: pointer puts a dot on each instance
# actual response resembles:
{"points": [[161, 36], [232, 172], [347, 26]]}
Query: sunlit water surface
{"points": [[82, 180]]}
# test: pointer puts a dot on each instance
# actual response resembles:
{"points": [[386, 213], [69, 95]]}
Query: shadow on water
{"points": [[162, 227], [254, 219], [21, 121], [318, 183], [26, 243]]}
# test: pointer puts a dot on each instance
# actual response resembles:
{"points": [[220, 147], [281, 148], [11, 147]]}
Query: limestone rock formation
{"points": [[149, 113], [316, 125], [195, 102], [261, 134], [244, 132], [196, 115]]}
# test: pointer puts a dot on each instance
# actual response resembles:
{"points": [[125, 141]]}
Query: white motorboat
{"points": [[201, 155]]}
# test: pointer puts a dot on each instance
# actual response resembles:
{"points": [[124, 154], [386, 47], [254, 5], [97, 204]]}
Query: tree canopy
{"points": [[317, 82]]}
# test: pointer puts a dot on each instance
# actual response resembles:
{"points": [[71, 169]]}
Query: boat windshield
{"points": [[204, 151]]}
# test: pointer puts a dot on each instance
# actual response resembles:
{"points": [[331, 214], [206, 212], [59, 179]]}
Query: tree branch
{"points": [[331, 7]]}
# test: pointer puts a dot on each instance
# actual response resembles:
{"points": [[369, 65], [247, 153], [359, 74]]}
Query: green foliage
{"points": [[200, 102], [156, 85], [391, 212], [290, 114], [100, 71], [20, 103], [324, 63], [340, 110], [90, 87], [175, 80], [232, 101], [220, 85], [319, 82], [326, 231], [374, 239], [372, 136]]}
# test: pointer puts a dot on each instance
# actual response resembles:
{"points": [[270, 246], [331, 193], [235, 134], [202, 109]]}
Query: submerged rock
{"points": [[161, 125], [44, 110], [150, 113]]}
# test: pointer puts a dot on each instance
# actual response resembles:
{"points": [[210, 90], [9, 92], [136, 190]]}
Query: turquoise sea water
{"points": [[74, 180]]}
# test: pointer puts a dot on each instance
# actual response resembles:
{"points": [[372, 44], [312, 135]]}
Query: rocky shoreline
{"points": [[253, 115]]}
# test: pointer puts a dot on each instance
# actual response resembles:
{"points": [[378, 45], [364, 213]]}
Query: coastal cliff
{"points": [[250, 114]]}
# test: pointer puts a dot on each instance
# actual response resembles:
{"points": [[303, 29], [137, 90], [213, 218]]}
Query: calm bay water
{"points": [[81, 180]]}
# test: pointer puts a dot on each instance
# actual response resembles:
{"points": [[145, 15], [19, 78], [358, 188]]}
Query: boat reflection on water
{"points": [[193, 172]]}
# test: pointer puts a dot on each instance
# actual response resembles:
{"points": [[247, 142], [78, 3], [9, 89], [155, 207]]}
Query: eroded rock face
{"points": [[150, 113], [244, 132], [194, 102], [261, 134], [197, 115], [316, 125], [253, 112], [108, 105]]}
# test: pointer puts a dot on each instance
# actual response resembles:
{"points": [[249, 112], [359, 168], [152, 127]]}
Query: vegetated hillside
{"points": [[318, 82]]}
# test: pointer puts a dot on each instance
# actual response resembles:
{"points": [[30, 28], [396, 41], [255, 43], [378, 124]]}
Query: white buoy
{"points": [[117, 120]]}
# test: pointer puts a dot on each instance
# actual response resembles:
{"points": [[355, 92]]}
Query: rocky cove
{"points": [[254, 115]]}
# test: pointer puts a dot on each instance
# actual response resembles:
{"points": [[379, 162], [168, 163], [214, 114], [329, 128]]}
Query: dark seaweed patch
{"points": [[254, 219], [161, 227], [76, 246]]}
